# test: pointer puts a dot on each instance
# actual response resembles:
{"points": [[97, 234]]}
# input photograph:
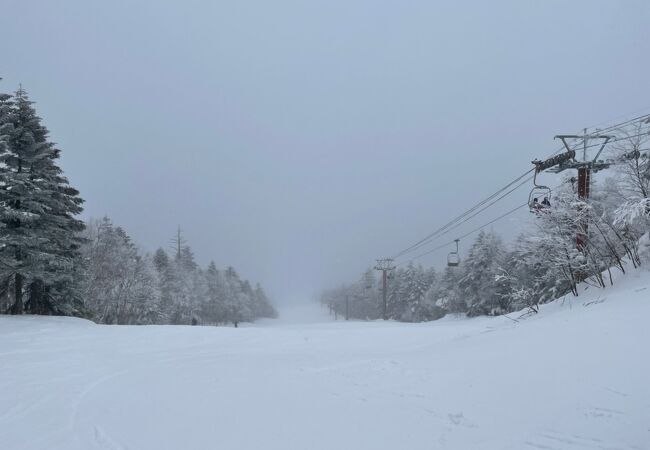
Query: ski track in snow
{"points": [[106, 443], [565, 379], [554, 440], [80, 399]]}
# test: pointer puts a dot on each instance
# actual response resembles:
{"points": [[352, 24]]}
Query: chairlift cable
{"points": [[458, 220], [469, 233], [466, 219]]}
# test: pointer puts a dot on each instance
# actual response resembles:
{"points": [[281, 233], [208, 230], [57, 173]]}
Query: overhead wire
{"points": [[469, 233], [452, 222], [497, 196], [468, 218], [440, 231], [620, 124]]}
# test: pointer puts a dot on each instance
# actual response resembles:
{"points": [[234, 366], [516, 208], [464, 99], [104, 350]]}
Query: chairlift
{"points": [[539, 197], [453, 258]]}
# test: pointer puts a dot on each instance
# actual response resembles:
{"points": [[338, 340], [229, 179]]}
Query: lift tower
{"points": [[585, 168], [384, 265]]}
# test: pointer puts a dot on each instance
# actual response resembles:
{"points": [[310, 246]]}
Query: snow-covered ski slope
{"points": [[576, 376]]}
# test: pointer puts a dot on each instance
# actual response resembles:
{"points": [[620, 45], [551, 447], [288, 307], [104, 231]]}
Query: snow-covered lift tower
{"points": [[585, 169]]}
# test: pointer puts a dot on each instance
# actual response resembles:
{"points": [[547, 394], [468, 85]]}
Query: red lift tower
{"points": [[585, 168]]}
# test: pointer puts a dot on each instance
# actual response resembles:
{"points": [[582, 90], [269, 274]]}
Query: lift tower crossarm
{"points": [[564, 137], [600, 150]]}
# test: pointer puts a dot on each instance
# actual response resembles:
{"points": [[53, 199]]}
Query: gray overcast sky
{"points": [[299, 140]]}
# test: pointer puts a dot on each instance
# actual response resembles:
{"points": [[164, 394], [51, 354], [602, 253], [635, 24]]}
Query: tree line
{"points": [[51, 262], [543, 263]]}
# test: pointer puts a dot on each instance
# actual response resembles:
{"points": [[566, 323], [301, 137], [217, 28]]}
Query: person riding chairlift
{"points": [[536, 205]]}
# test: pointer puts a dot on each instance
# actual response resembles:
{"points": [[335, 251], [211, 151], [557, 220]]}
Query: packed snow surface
{"points": [[575, 376]]}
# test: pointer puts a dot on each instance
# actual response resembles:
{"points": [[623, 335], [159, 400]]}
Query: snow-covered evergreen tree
{"points": [[165, 280], [446, 292], [39, 237], [415, 284], [213, 308], [364, 298], [124, 286], [262, 307], [120, 285], [480, 269], [7, 270], [237, 306]]}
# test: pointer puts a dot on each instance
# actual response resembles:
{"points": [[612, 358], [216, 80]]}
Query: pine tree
{"points": [[7, 270], [364, 299], [415, 285], [39, 230], [448, 295], [213, 307], [236, 304], [186, 283], [164, 269], [481, 267], [120, 283], [263, 307], [396, 303]]}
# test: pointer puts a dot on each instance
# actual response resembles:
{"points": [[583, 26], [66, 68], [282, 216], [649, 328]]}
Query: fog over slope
{"points": [[300, 141]]}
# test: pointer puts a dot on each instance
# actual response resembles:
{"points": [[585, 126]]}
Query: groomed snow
{"points": [[576, 376]]}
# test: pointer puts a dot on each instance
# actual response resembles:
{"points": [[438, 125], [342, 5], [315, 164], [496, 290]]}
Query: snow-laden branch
{"points": [[631, 211]]}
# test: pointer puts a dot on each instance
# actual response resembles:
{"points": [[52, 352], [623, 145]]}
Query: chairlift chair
{"points": [[453, 258], [537, 196]]}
